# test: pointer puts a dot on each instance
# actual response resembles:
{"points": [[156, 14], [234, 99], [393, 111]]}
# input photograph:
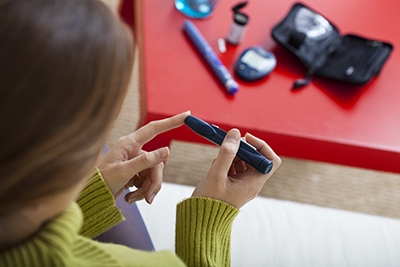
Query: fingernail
{"points": [[163, 152], [151, 198], [132, 200], [233, 134], [249, 134]]}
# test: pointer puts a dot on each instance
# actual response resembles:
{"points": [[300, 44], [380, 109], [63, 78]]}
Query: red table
{"points": [[327, 121]]}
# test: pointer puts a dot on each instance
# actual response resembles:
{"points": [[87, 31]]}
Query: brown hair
{"points": [[64, 68]]}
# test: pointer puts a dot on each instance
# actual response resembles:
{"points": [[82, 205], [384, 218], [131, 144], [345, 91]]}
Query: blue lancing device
{"points": [[216, 135]]}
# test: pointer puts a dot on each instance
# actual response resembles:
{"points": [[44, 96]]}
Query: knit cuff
{"points": [[203, 231], [98, 207]]}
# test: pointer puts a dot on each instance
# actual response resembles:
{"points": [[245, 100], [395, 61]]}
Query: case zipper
{"points": [[300, 83]]}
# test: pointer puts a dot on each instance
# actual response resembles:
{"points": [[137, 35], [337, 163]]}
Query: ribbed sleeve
{"points": [[203, 231], [98, 207]]}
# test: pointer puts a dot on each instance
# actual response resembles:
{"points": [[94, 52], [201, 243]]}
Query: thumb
{"points": [[147, 160], [227, 153]]}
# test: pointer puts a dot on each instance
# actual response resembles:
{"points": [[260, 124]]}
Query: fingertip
{"points": [[249, 135], [185, 114], [233, 134], [151, 199], [251, 138], [132, 197], [179, 119], [163, 153], [152, 192]]}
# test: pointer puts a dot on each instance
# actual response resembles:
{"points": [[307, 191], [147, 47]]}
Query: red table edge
{"points": [[298, 147]]}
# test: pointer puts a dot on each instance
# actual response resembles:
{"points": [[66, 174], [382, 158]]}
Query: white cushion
{"points": [[270, 232]]}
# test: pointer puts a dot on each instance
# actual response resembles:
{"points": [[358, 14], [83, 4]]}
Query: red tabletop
{"points": [[326, 121]]}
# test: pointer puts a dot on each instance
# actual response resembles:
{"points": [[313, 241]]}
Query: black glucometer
{"points": [[254, 64], [246, 152]]}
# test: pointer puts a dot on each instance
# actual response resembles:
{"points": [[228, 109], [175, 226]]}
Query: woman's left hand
{"points": [[127, 165]]}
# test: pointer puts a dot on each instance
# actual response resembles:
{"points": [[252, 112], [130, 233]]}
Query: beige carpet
{"points": [[302, 181]]}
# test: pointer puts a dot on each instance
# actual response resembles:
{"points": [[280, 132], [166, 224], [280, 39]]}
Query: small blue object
{"points": [[254, 64], [196, 8], [216, 135], [210, 57]]}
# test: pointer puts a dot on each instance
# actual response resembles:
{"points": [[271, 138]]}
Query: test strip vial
{"points": [[238, 28]]}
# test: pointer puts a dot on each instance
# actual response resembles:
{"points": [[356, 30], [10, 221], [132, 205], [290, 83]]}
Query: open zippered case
{"points": [[325, 52]]}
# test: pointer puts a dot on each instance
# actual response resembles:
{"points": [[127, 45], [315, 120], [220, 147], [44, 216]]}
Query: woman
{"points": [[65, 67]]}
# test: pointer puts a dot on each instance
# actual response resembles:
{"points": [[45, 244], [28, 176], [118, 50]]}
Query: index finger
{"points": [[154, 128]]}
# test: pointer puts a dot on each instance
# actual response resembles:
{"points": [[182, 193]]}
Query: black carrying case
{"points": [[325, 52]]}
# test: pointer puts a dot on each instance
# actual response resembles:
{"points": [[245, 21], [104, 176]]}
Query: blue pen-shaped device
{"points": [[211, 58], [216, 135]]}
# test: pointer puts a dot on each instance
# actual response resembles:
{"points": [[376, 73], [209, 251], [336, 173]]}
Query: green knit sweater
{"points": [[203, 230]]}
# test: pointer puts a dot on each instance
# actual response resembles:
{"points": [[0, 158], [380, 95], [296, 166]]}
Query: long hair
{"points": [[64, 67]]}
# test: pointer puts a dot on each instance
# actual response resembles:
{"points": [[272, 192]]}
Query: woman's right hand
{"points": [[232, 180]]}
